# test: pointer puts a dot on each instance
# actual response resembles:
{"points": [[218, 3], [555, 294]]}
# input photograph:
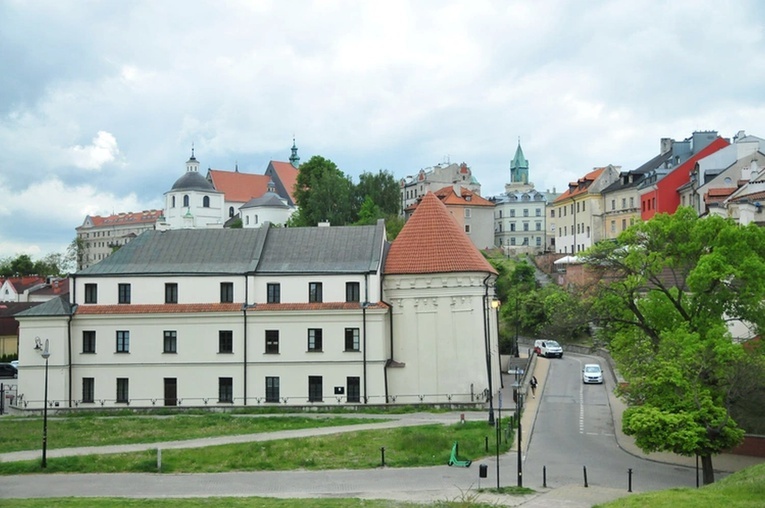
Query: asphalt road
{"points": [[574, 431]]}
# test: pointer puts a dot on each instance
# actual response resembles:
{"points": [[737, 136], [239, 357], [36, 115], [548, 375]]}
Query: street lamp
{"points": [[516, 353], [45, 353]]}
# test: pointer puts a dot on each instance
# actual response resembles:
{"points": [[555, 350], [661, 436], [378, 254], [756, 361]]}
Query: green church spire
{"points": [[519, 166], [294, 159]]}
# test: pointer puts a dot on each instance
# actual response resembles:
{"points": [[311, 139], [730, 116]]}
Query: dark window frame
{"points": [[272, 388], [352, 292], [315, 389], [273, 292], [170, 341], [171, 292], [352, 340], [123, 390], [123, 341], [315, 292], [89, 341], [226, 292], [88, 389], [272, 342], [315, 342], [353, 388], [91, 293], [226, 389], [123, 293], [225, 341]]}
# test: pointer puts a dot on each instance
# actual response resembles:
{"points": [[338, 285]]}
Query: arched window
{"points": [[230, 211], [206, 202], [246, 219], [172, 205], [186, 200]]}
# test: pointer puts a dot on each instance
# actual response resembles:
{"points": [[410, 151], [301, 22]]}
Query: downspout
{"points": [[390, 332], [244, 316], [573, 209], [364, 346], [488, 354], [69, 332]]}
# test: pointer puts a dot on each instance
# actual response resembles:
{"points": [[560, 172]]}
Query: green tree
{"points": [[393, 225], [323, 193], [668, 288], [51, 264], [369, 212], [22, 265], [383, 189], [75, 255]]}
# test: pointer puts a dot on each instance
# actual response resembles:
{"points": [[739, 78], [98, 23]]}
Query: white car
{"points": [[592, 373]]}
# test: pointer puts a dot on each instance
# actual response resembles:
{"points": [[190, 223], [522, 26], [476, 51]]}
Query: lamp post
{"points": [[516, 353], [45, 353], [519, 413]]}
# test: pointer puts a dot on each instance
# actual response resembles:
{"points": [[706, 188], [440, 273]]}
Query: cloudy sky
{"points": [[100, 102]]}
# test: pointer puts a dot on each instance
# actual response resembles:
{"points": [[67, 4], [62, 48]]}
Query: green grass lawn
{"points": [[744, 489], [26, 433], [425, 445]]}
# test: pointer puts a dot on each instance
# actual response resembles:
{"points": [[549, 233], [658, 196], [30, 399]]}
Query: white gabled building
{"points": [[256, 316]]}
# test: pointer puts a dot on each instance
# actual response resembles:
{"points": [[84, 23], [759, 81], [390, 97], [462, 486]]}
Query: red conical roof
{"points": [[432, 241]]}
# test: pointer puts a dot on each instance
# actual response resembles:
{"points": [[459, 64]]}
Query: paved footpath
{"points": [[426, 484]]}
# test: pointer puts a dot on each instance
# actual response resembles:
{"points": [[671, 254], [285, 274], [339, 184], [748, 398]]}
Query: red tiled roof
{"points": [[181, 308], [288, 176], [432, 241], [467, 197], [21, 284], [175, 308], [118, 219], [580, 186], [239, 187], [315, 306], [55, 288]]}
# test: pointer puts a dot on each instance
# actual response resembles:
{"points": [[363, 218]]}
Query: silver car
{"points": [[592, 373]]}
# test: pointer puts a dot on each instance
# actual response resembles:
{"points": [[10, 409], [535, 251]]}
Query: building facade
{"points": [[413, 188]]}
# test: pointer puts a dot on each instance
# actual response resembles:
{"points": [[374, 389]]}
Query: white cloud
{"points": [[101, 151]]}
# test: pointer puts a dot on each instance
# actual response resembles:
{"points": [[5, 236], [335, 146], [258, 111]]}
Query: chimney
{"points": [[666, 145]]}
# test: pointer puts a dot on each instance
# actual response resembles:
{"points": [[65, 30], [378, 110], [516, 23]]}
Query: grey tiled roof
{"points": [[58, 306], [343, 249], [184, 251], [334, 249]]}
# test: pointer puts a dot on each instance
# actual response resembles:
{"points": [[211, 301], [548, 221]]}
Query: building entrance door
{"points": [[171, 391]]}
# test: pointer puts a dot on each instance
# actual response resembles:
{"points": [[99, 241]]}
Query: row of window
{"points": [[226, 389], [315, 343], [273, 292], [562, 211], [580, 228], [537, 213], [525, 241], [624, 203], [537, 226], [186, 201]]}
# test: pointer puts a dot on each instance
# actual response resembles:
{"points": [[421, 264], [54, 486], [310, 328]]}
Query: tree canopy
{"points": [[668, 290]]}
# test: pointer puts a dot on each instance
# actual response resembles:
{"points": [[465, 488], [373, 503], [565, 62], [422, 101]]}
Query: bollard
{"points": [[462, 418], [382, 456], [486, 442], [544, 476], [584, 468], [629, 480], [159, 460]]}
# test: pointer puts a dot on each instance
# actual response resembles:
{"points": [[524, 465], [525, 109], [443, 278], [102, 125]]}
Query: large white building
{"points": [[298, 316]]}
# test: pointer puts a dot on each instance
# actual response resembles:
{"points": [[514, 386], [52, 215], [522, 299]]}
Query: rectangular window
{"points": [[584, 203], [352, 339], [123, 341], [226, 292], [272, 389], [314, 339], [88, 389], [525, 212], [225, 389], [273, 291], [538, 212], [315, 389], [354, 389], [539, 226], [171, 292], [123, 293], [122, 389], [624, 203], [512, 226], [632, 202], [314, 292], [525, 226], [225, 341], [89, 341], [272, 342], [512, 213], [467, 213], [352, 292], [170, 342], [613, 226], [467, 228], [512, 240], [624, 224], [91, 293]]}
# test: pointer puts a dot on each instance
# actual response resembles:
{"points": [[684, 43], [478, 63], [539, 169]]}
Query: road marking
{"points": [[581, 408]]}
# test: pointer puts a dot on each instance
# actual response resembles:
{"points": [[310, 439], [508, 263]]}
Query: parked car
{"points": [[548, 348], [15, 363], [8, 371], [592, 373]]}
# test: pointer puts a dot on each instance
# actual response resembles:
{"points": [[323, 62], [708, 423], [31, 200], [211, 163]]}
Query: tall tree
{"points": [[668, 289], [323, 193], [382, 188]]}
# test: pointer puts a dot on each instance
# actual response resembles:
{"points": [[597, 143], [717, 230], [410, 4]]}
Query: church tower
{"points": [[294, 159], [519, 166]]}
